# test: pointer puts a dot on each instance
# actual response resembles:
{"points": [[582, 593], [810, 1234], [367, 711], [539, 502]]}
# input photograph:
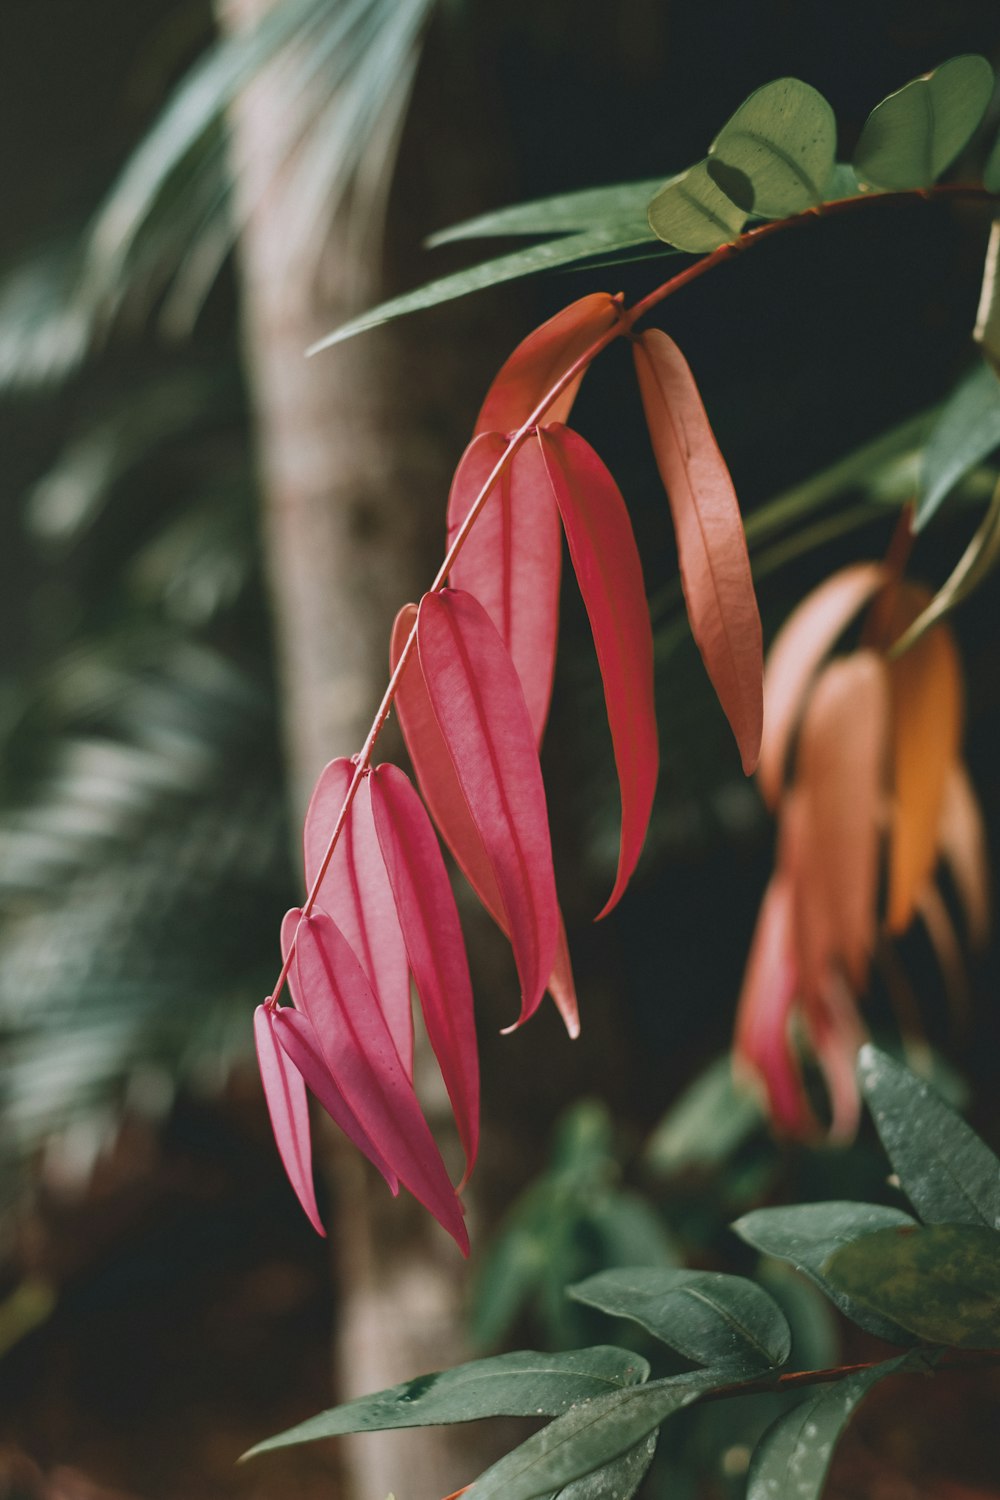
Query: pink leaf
{"points": [[835, 1034], [480, 709], [606, 561], [711, 546], [434, 944], [806, 638], [357, 895], [512, 561], [540, 359], [435, 772], [360, 1054], [288, 1108]]}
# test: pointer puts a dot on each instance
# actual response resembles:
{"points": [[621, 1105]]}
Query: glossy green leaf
{"points": [[911, 137], [590, 1435], [525, 1384], [692, 213], [706, 1316], [706, 1125], [613, 207], [949, 1175], [966, 432], [617, 1480], [776, 155], [808, 1234], [794, 1454], [941, 1281], [548, 256]]}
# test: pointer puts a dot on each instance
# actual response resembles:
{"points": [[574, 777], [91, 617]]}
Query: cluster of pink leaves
{"points": [[472, 669]]}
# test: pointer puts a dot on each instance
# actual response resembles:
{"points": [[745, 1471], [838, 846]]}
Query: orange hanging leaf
{"points": [[711, 545], [962, 841]]}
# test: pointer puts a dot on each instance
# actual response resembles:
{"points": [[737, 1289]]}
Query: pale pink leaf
{"points": [[607, 566], [711, 545], [288, 1109], [356, 893], [835, 1034], [512, 561], [562, 986], [434, 943]]}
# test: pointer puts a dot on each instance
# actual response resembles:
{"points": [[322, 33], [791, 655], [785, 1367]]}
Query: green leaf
{"points": [[588, 1437], [706, 1316], [946, 1171], [525, 1384], [807, 1234], [794, 1454], [973, 567], [911, 137], [966, 432], [693, 213], [547, 256], [613, 207], [776, 155], [706, 1125], [941, 1281], [617, 1480]]}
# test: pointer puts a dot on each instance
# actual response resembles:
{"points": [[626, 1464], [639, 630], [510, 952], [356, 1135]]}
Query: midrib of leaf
{"points": [[728, 1319], [704, 210], [789, 161]]}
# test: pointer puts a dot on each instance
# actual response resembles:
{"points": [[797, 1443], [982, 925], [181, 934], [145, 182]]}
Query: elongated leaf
{"points": [[621, 206], [691, 212], [489, 737], [288, 1109], [973, 567], [706, 1316], [357, 895], [763, 1047], [540, 360], [711, 546], [442, 793], [434, 944], [775, 156], [512, 561], [910, 138], [941, 1281], [966, 432], [333, 989], [617, 1480], [806, 638], [808, 1234], [548, 256], [591, 1434], [962, 841], [947, 1172], [607, 566], [524, 1384], [795, 1452]]}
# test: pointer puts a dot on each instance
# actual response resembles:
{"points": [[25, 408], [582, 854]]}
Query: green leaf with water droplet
{"points": [[776, 155], [910, 138]]}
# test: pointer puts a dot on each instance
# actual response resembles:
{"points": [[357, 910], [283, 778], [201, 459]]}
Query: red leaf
{"points": [[512, 561], [480, 709], [288, 1108], [434, 944], [435, 772], [805, 639], [357, 895], [361, 1056], [711, 546], [538, 362], [606, 561]]}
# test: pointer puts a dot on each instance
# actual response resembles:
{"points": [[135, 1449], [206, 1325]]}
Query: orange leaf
{"points": [[711, 546], [962, 841]]}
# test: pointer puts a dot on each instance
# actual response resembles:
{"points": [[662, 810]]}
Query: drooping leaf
{"points": [[707, 1317], [490, 740], [763, 1046], [512, 560], [711, 1119], [808, 1234], [288, 1109], [434, 944], [621, 206], [562, 985], [966, 432], [805, 639], [947, 1172], [711, 546], [609, 572], [941, 1281], [356, 893], [775, 156], [962, 842], [540, 360], [524, 1384], [332, 988], [912, 136], [794, 1454], [976, 563], [691, 212]]}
